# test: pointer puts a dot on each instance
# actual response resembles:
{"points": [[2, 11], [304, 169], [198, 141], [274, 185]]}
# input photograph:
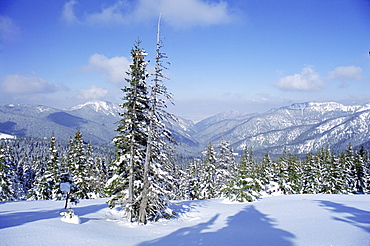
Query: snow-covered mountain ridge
{"points": [[300, 127], [107, 108]]}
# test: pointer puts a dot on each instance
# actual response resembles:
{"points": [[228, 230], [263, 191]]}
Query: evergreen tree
{"points": [[43, 189], [310, 175], [158, 164], [48, 176], [283, 174], [244, 186], [337, 182], [207, 188], [53, 166], [28, 177], [126, 184], [294, 174], [225, 166], [347, 159], [267, 174], [6, 191], [78, 168], [193, 178], [366, 159], [95, 175], [360, 176]]}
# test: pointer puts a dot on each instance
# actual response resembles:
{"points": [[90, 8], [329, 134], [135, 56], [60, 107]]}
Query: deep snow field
{"points": [[280, 220]]}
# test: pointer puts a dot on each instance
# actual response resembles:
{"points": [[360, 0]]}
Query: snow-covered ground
{"points": [[281, 220], [6, 136]]}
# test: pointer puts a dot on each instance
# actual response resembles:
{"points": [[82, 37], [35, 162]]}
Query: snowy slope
{"points": [[282, 220], [6, 136]]}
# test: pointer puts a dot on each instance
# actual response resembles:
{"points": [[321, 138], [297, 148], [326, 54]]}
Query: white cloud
{"points": [[8, 29], [307, 80], [176, 13], [185, 13], [93, 93], [111, 14], [346, 73], [68, 13], [19, 84], [113, 68]]}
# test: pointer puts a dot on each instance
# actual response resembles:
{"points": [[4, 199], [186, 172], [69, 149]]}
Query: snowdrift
{"points": [[282, 220]]}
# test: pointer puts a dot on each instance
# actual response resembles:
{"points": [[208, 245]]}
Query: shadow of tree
{"points": [[248, 227], [19, 218], [356, 217], [184, 207]]}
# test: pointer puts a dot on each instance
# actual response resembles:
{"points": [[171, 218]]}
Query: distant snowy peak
{"points": [[107, 108], [326, 107], [6, 136], [229, 114]]}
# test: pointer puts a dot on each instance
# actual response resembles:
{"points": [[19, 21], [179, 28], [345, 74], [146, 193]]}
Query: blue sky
{"points": [[248, 56]]}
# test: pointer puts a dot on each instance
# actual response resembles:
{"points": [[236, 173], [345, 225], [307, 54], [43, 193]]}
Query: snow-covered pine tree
{"points": [[53, 164], [359, 174], [324, 158], [126, 184], [266, 174], [183, 191], [207, 174], [28, 176], [283, 174], [78, 167], [225, 166], [347, 159], [43, 189], [244, 186], [47, 177], [18, 187], [294, 173], [193, 178], [6, 191], [158, 163], [95, 175], [336, 183], [366, 158], [310, 178]]}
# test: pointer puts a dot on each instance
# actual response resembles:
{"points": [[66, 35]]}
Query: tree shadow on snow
{"points": [[184, 207], [248, 227], [19, 218], [357, 217]]}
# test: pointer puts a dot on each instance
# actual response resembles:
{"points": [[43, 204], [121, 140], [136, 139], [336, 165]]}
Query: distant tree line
{"points": [[218, 175], [33, 169]]}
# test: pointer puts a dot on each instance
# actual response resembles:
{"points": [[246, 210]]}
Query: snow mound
{"points": [[70, 217]]}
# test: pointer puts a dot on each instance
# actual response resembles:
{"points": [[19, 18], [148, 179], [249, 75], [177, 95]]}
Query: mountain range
{"points": [[300, 128]]}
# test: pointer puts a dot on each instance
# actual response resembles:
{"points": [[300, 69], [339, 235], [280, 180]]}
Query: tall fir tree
{"points": [[126, 184], [266, 174], [225, 166], [310, 175], [244, 185], [53, 164], [6, 190], [207, 189], [158, 163], [360, 176], [95, 174], [48, 176], [347, 159], [78, 168], [192, 179]]}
